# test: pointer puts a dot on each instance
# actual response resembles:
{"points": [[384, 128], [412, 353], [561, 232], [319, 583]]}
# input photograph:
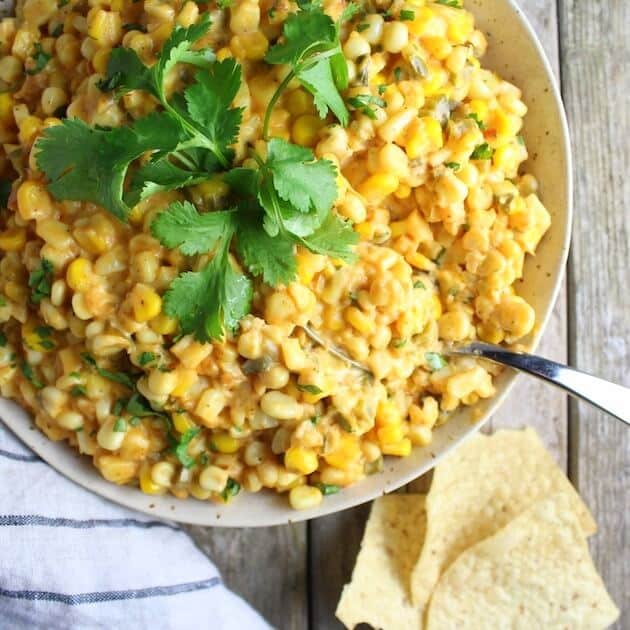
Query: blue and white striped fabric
{"points": [[71, 560]]}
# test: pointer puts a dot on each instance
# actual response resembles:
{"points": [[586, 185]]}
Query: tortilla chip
{"points": [[379, 591], [536, 572], [486, 483]]}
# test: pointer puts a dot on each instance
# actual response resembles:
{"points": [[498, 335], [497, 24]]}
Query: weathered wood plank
{"points": [[335, 537], [596, 83], [266, 566], [531, 402]]}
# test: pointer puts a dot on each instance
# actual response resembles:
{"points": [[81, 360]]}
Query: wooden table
{"points": [[293, 574]]}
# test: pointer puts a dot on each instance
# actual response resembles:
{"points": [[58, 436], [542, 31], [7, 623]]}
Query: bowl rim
{"points": [[138, 502]]}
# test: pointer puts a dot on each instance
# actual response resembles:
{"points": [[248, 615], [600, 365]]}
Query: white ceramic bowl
{"points": [[516, 54]]}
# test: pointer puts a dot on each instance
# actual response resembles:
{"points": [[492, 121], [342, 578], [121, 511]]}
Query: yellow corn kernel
{"points": [[147, 485], [101, 59], [145, 303], [212, 189], [424, 135], [420, 435], [345, 455], [436, 306], [401, 448], [359, 320], [438, 47], [305, 130], [423, 17], [6, 108], [420, 261], [186, 378], [79, 274], [29, 127], [403, 191], [116, 469], [299, 102], [163, 324], [13, 239], [479, 108], [490, 333], [506, 125], [33, 201], [302, 460], [305, 497], [376, 187], [183, 422], [390, 434], [460, 26], [387, 414], [224, 443], [435, 82], [398, 228], [507, 159], [251, 46], [365, 230], [105, 27], [305, 267], [224, 53]]}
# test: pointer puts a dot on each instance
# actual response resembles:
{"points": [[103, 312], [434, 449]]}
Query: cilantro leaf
{"points": [[334, 238], [435, 360], [306, 183], [318, 79], [208, 101], [89, 164], [40, 58], [181, 225], [116, 377], [209, 301], [271, 258], [482, 152]]}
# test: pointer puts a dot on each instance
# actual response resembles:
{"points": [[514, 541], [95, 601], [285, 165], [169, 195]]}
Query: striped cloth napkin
{"points": [[71, 560]]}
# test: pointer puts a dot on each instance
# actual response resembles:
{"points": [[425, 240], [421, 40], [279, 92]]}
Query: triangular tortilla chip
{"points": [[480, 488], [379, 591], [536, 572]]}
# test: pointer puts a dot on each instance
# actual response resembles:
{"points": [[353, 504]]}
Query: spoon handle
{"points": [[611, 398]]}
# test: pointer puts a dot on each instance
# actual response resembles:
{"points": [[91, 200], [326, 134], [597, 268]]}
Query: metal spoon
{"points": [[609, 397]]}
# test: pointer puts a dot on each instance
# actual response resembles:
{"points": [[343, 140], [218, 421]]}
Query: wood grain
{"points": [[267, 566], [545, 409], [596, 84]]}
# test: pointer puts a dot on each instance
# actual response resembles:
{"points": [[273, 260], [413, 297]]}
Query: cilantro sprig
{"points": [[312, 50], [283, 202]]}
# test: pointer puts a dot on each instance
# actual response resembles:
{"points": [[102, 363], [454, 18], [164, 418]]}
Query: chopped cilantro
{"points": [[29, 375], [134, 26], [328, 488], [363, 26], [407, 15], [40, 57], [453, 165], [3, 339], [440, 257], [310, 389], [78, 390], [181, 448], [520, 139], [382, 89], [225, 4], [435, 360], [117, 377], [456, 4], [362, 103], [134, 421], [397, 73], [418, 284], [399, 343], [146, 357], [314, 419], [40, 281], [232, 488], [482, 152], [58, 30], [203, 459]]}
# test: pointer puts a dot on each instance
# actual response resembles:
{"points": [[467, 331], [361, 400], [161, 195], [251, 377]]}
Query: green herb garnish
{"points": [[310, 389], [78, 390], [453, 165], [328, 488], [474, 116], [362, 103], [41, 58], [29, 375], [399, 343], [456, 4], [435, 360], [40, 281], [181, 448], [407, 15], [117, 377], [120, 426], [146, 357], [232, 488], [482, 152]]}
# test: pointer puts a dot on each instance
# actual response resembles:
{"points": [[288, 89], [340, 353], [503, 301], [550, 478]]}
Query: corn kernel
{"points": [[163, 324], [387, 413], [186, 378], [305, 130], [376, 187], [145, 303], [224, 443], [147, 485], [401, 448], [79, 274], [305, 497], [29, 127], [390, 433], [302, 460], [13, 239], [183, 422], [346, 453], [359, 320], [460, 26], [299, 102], [6, 108]]}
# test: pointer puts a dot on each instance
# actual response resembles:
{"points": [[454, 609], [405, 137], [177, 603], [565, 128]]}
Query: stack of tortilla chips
{"points": [[498, 542]]}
